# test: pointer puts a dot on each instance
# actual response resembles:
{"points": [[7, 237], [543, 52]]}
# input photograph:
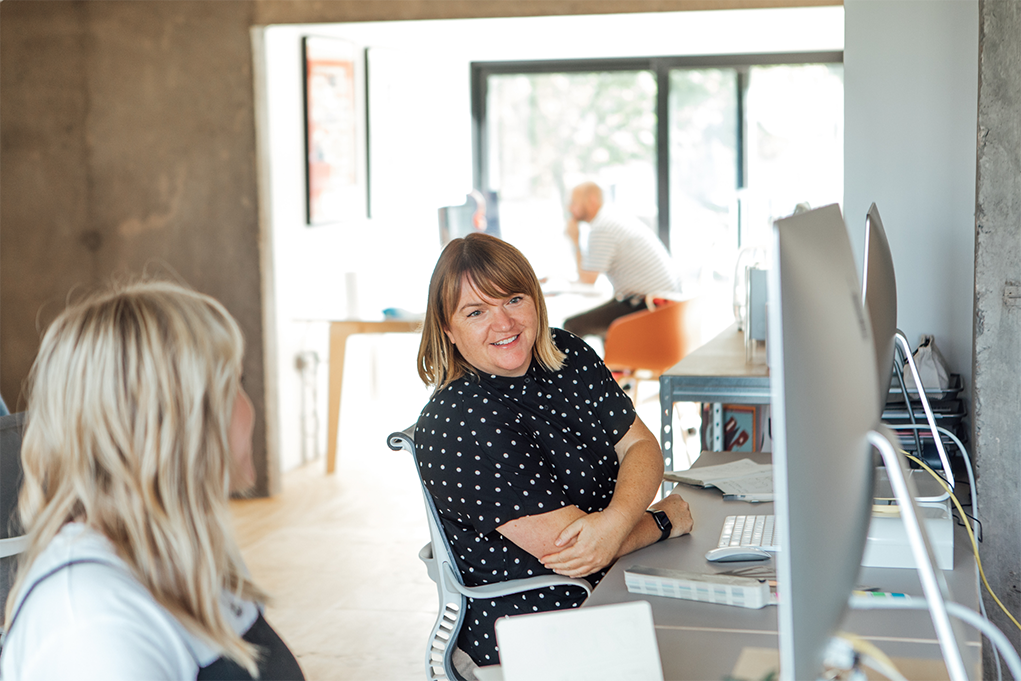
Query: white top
{"points": [[634, 260], [96, 621]]}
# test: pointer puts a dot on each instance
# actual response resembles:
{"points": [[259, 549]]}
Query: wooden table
{"points": [[717, 372], [339, 333]]}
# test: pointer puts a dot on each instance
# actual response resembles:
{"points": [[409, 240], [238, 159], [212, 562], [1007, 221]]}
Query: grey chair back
{"points": [[453, 594], [11, 428]]}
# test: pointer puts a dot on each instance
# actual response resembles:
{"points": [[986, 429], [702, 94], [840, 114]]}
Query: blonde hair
{"points": [[495, 269], [129, 405]]}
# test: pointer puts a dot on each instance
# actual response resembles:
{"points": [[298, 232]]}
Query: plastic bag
{"points": [[932, 367]]}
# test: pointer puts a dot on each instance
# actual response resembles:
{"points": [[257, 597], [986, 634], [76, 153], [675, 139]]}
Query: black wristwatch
{"points": [[662, 522]]}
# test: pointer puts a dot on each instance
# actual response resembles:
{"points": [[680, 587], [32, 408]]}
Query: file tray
{"points": [[887, 544]]}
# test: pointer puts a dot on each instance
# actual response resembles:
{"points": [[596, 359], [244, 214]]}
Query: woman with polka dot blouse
{"points": [[535, 457]]}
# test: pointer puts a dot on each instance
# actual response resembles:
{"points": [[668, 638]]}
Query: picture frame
{"points": [[740, 428], [335, 130], [743, 427]]}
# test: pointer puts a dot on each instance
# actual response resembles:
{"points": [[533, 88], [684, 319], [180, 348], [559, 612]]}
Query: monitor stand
{"points": [[929, 489], [934, 585]]}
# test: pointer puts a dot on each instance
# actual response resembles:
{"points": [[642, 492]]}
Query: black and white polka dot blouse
{"points": [[492, 449]]}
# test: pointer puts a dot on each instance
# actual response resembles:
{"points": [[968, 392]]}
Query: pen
{"points": [[753, 498]]}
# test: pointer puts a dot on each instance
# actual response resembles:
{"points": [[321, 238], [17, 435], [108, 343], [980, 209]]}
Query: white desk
{"points": [[704, 640]]}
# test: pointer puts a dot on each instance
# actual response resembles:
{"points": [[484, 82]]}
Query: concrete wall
{"points": [[48, 244], [127, 145], [997, 394], [330, 11]]}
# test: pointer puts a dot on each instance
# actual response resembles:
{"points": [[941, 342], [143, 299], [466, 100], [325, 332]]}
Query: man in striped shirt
{"points": [[624, 249]]}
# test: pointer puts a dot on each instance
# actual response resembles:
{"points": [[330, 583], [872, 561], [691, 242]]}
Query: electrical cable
{"points": [[973, 493], [972, 489], [978, 524], [980, 574], [971, 536], [987, 628], [871, 652]]}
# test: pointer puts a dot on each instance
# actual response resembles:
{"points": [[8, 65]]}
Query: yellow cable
{"points": [[971, 535]]}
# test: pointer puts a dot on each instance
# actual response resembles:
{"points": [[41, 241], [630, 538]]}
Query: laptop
{"points": [[601, 643]]}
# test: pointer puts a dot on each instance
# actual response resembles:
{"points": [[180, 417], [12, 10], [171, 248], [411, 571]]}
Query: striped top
{"points": [[630, 254]]}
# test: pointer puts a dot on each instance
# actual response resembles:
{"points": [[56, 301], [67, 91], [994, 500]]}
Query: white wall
{"points": [[910, 119], [360, 266]]}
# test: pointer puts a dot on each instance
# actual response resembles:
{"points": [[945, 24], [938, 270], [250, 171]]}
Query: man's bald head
{"points": [[586, 200]]}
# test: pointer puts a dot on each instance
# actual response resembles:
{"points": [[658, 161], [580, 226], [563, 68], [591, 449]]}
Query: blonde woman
{"points": [[138, 431]]}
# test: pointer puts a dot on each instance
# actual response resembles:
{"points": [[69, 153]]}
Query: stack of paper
{"points": [[742, 480]]}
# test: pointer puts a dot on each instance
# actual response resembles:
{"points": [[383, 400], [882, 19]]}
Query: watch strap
{"points": [[662, 522]]}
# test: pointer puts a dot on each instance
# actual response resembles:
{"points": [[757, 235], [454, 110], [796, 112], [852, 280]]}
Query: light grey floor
{"points": [[339, 553], [339, 556]]}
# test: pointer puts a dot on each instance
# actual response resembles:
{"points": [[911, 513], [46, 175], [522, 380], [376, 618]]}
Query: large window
{"points": [[708, 151], [548, 131]]}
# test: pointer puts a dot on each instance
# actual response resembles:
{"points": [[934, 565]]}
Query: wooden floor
{"points": [[339, 555]]}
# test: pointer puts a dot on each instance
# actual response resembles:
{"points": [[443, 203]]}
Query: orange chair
{"points": [[644, 344]]}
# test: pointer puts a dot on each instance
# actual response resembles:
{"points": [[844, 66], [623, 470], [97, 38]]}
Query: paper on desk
{"points": [[742, 480], [709, 476], [754, 488]]}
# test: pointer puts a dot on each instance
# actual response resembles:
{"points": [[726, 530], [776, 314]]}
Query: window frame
{"points": [[660, 67]]}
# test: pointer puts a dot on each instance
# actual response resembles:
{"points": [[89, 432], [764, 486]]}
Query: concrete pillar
{"points": [[46, 244], [997, 326], [128, 146]]}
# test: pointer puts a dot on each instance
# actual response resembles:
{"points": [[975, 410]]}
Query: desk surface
{"points": [[703, 640], [718, 372]]}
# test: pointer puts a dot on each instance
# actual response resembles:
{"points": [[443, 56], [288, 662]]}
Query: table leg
{"points": [[339, 333], [666, 433], [717, 417]]}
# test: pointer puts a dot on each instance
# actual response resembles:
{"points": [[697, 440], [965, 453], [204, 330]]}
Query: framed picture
{"points": [[742, 427], [739, 431], [334, 130]]}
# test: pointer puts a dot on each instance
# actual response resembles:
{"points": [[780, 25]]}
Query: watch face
{"points": [[662, 520]]}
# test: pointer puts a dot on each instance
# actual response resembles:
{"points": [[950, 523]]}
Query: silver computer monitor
{"points": [[879, 296], [824, 404]]}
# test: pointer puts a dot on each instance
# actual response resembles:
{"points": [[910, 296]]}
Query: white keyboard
{"points": [[749, 530]]}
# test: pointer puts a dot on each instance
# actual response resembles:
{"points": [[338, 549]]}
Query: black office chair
{"points": [[11, 541]]}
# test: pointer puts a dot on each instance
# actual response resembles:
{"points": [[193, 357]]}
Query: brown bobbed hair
{"points": [[495, 269]]}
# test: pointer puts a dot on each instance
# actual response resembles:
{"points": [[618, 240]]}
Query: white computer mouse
{"points": [[729, 554]]}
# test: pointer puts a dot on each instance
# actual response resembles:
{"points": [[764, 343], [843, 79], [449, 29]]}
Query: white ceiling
{"points": [[608, 35]]}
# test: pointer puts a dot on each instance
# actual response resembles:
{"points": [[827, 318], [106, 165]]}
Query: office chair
{"points": [[644, 344], [450, 587], [11, 541]]}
